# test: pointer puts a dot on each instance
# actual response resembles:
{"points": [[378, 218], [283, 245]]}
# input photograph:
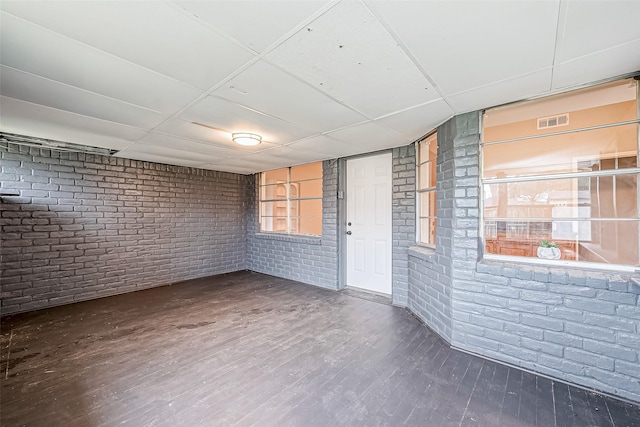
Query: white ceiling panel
{"points": [[297, 156], [502, 92], [25, 118], [226, 168], [38, 90], [325, 146], [370, 137], [209, 136], [27, 47], [598, 66], [188, 130], [230, 117], [252, 162], [148, 33], [587, 27], [147, 156], [348, 54], [169, 152], [467, 44], [413, 122], [245, 20], [316, 79], [264, 87], [186, 145]]}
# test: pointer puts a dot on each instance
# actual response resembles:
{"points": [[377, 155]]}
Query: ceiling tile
{"points": [[591, 26], [229, 117], [467, 44], [28, 87], [151, 34], [347, 53], [209, 136], [149, 148], [296, 156], [30, 48], [227, 168], [24, 118], [503, 92], [245, 21], [416, 122], [325, 146], [369, 137], [175, 143], [145, 156], [598, 66], [253, 163], [264, 87]]}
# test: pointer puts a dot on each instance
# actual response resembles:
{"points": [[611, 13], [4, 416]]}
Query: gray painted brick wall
{"points": [[403, 219], [573, 324], [434, 274], [578, 325], [308, 259], [86, 226]]}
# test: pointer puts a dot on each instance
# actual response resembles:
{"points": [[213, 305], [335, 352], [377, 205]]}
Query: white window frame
{"points": [[289, 201], [567, 263], [425, 191]]}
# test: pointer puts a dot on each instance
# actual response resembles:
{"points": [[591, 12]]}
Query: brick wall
{"points": [[430, 272], [308, 259], [86, 226], [573, 324], [403, 219]]}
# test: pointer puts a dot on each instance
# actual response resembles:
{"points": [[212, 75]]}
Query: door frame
{"points": [[342, 216]]}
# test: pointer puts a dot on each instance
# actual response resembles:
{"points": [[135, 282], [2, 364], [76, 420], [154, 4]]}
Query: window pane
{"points": [[427, 175], [427, 148], [270, 192], [306, 225], [428, 204], [273, 209], [604, 104], [584, 197], [274, 177], [306, 189], [306, 208], [599, 149], [428, 231], [273, 224], [612, 242], [308, 171]]}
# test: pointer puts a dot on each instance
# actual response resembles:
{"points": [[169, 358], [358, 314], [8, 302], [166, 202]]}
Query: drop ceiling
{"points": [[169, 82]]}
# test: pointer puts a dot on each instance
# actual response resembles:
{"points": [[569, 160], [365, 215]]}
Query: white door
{"points": [[369, 223]]}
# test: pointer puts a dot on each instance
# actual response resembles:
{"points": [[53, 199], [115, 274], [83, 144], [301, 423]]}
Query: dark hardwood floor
{"points": [[249, 349]]}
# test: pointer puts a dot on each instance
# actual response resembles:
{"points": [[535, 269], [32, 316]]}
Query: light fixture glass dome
{"points": [[246, 138]]}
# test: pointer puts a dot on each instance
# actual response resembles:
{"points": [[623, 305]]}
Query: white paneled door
{"points": [[369, 223]]}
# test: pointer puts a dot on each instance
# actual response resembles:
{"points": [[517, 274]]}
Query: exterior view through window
{"points": [[291, 200], [562, 172], [427, 153]]}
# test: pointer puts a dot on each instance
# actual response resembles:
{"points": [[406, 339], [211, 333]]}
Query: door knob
{"points": [[349, 233], [349, 223]]}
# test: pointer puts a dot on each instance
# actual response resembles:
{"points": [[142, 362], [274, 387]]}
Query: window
{"points": [[575, 185], [291, 200], [427, 153]]}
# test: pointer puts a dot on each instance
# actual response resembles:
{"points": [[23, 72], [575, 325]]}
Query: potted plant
{"points": [[548, 250]]}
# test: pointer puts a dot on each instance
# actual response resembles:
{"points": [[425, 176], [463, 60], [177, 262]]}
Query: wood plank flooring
{"points": [[247, 349]]}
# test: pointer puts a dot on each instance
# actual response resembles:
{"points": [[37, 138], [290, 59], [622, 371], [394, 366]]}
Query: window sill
{"points": [[423, 253], [563, 264], [621, 281], [292, 238]]}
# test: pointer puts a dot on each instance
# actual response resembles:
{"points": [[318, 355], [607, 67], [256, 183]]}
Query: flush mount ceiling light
{"points": [[245, 138]]}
